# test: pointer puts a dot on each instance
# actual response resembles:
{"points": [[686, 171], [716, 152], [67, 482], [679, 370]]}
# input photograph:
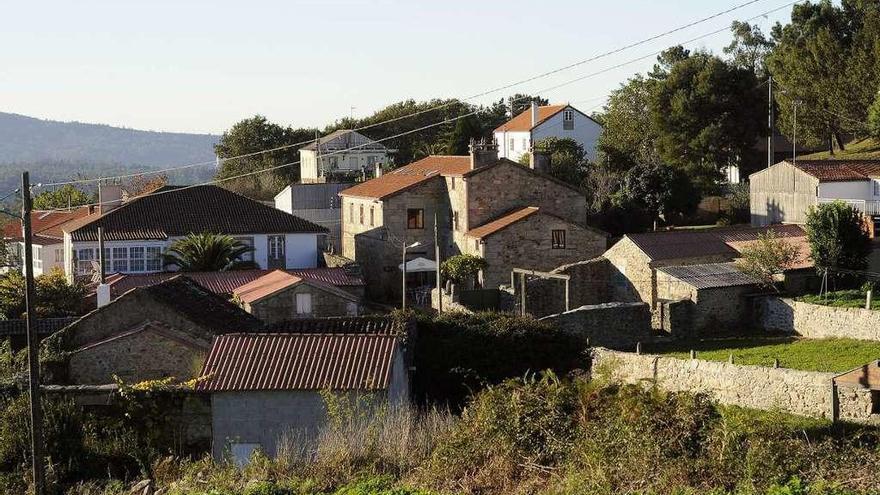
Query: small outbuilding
{"points": [[266, 387], [280, 295]]}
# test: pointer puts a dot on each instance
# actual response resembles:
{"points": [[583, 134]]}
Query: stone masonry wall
{"points": [[590, 284], [799, 392], [282, 305], [615, 325], [816, 321]]}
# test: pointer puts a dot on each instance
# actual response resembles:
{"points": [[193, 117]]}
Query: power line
{"points": [[438, 107]]}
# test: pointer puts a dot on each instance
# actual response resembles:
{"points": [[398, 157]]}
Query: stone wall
{"points": [[615, 325], [816, 321], [282, 305], [589, 284], [807, 393]]}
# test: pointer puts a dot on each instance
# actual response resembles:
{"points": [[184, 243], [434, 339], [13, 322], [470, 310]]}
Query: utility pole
{"points": [[33, 342], [101, 258], [403, 280], [794, 136], [770, 132], [437, 262]]}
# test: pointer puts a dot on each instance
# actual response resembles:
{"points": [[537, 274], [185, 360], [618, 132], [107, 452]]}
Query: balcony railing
{"points": [[868, 207]]}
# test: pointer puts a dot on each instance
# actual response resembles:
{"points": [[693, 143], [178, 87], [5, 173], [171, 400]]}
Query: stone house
{"points": [[148, 333], [716, 293], [482, 205], [636, 257], [280, 295], [267, 390]]}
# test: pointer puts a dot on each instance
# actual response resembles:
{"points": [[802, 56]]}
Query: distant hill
{"points": [[54, 150]]}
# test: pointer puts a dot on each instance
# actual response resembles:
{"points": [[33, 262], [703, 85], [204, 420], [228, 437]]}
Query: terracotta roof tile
{"points": [[45, 224], [720, 242], [502, 222], [523, 121], [243, 362], [410, 175], [174, 211], [265, 285], [839, 170]]}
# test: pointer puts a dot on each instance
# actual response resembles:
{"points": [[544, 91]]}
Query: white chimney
{"points": [[534, 114], [378, 170], [103, 295], [109, 197]]}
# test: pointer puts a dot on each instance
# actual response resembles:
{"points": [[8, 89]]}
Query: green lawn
{"points": [[835, 355], [843, 299], [864, 149]]}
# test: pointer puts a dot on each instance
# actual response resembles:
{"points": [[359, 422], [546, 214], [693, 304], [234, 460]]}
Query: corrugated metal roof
{"points": [[677, 244], [242, 362], [378, 325], [709, 275], [317, 196]]}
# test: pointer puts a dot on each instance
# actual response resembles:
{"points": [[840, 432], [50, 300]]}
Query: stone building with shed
{"points": [[150, 332], [267, 389], [482, 205], [280, 295]]}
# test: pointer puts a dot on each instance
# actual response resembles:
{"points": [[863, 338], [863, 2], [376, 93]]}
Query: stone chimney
{"points": [[539, 161], [109, 197], [483, 153], [534, 112]]}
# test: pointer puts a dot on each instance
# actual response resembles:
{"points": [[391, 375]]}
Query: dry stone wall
{"points": [[615, 325], [816, 321], [800, 392]]}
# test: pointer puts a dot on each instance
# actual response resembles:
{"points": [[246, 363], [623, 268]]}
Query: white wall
{"points": [[586, 131], [302, 250], [847, 190], [503, 140], [284, 199]]}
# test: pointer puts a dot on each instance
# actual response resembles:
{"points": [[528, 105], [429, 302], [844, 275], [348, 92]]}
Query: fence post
{"points": [[693, 354]]}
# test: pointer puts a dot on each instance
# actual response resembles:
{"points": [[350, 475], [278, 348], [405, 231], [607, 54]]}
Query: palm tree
{"points": [[208, 252]]}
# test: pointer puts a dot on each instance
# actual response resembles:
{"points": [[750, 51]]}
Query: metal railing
{"points": [[868, 207]]}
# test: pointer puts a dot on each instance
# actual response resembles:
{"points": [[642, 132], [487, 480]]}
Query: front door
{"points": [[277, 253]]}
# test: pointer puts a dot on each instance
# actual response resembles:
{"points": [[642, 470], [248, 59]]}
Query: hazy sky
{"points": [[200, 66]]}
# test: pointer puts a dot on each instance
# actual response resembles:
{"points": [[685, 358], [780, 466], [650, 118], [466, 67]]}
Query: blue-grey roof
{"points": [[709, 275]]}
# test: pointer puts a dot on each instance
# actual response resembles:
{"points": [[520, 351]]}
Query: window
{"points": [[372, 216], [333, 161], [154, 258], [84, 258], [351, 309], [525, 143], [371, 161], [38, 258], [276, 247], [247, 241], [361, 214], [511, 144], [350, 213], [304, 304], [59, 255], [567, 120], [120, 259], [415, 218], [558, 239], [477, 245], [454, 220], [136, 259], [876, 187], [453, 184]]}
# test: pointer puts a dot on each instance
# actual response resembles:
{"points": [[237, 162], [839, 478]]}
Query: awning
{"points": [[419, 265]]}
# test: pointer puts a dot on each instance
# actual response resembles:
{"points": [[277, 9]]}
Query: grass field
{"points": [[843, 299], [864, 149], [835, 355]]}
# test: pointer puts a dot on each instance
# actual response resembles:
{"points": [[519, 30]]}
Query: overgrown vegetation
{"points": [[835, 355], [767, 258], [56, 297], [838, 237], [843, 299]]}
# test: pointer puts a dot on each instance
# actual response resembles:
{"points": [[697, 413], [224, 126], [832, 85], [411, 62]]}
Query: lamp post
{"points": [[403, 282]]}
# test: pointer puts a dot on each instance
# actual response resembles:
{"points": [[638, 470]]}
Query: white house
{"points": [[516, 136], [47, 239], [138, 231], [341, 154], [317, 203], [785, 192]]}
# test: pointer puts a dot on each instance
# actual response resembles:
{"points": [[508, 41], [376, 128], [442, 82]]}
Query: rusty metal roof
{"points": [[245, 362], [722, 242]]}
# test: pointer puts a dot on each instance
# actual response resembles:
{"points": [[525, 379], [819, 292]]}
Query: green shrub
{"points": [[457, 354]]}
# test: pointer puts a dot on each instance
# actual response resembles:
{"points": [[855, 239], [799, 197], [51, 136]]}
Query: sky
{"points": [[201, 66]]}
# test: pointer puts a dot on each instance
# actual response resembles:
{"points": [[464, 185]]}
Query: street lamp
{"points": [[403, 284]]}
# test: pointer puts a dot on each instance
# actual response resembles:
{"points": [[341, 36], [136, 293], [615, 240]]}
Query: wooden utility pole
{"points": [[101, 258], [770, 133], [37, 461], [437, 262]]}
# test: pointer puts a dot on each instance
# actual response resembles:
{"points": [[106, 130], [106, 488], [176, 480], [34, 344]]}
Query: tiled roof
{"points": [[378, 325], [180, 211], [227, 282], [200, 305], [405, 177], [523, 121], [243, 362], [344, 139], [709, 275], [47, 226], [265, 285], [502, 223], [839, 170], [725, 242]]}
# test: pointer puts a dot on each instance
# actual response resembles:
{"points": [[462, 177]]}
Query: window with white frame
{"points": [[59, 255], [511, 144], [136, 259], [249, 242], [84, 258], [120, 259], [567, 120], [304, 304], [38, 258], [525, 143], [876, 183], [154, 258]]}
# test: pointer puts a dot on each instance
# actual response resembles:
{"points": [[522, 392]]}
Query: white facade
{"points": [[312, 168], [145, 256], [567, 123], [867, 190], [46, 256]]}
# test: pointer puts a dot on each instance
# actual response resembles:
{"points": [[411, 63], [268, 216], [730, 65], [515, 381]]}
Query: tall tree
{"points": [[707, 113], [628, 134], [659, 189], [838, 237], [63, 197], [254, 135], [568, 161], [749, 48], [521, 102]]}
